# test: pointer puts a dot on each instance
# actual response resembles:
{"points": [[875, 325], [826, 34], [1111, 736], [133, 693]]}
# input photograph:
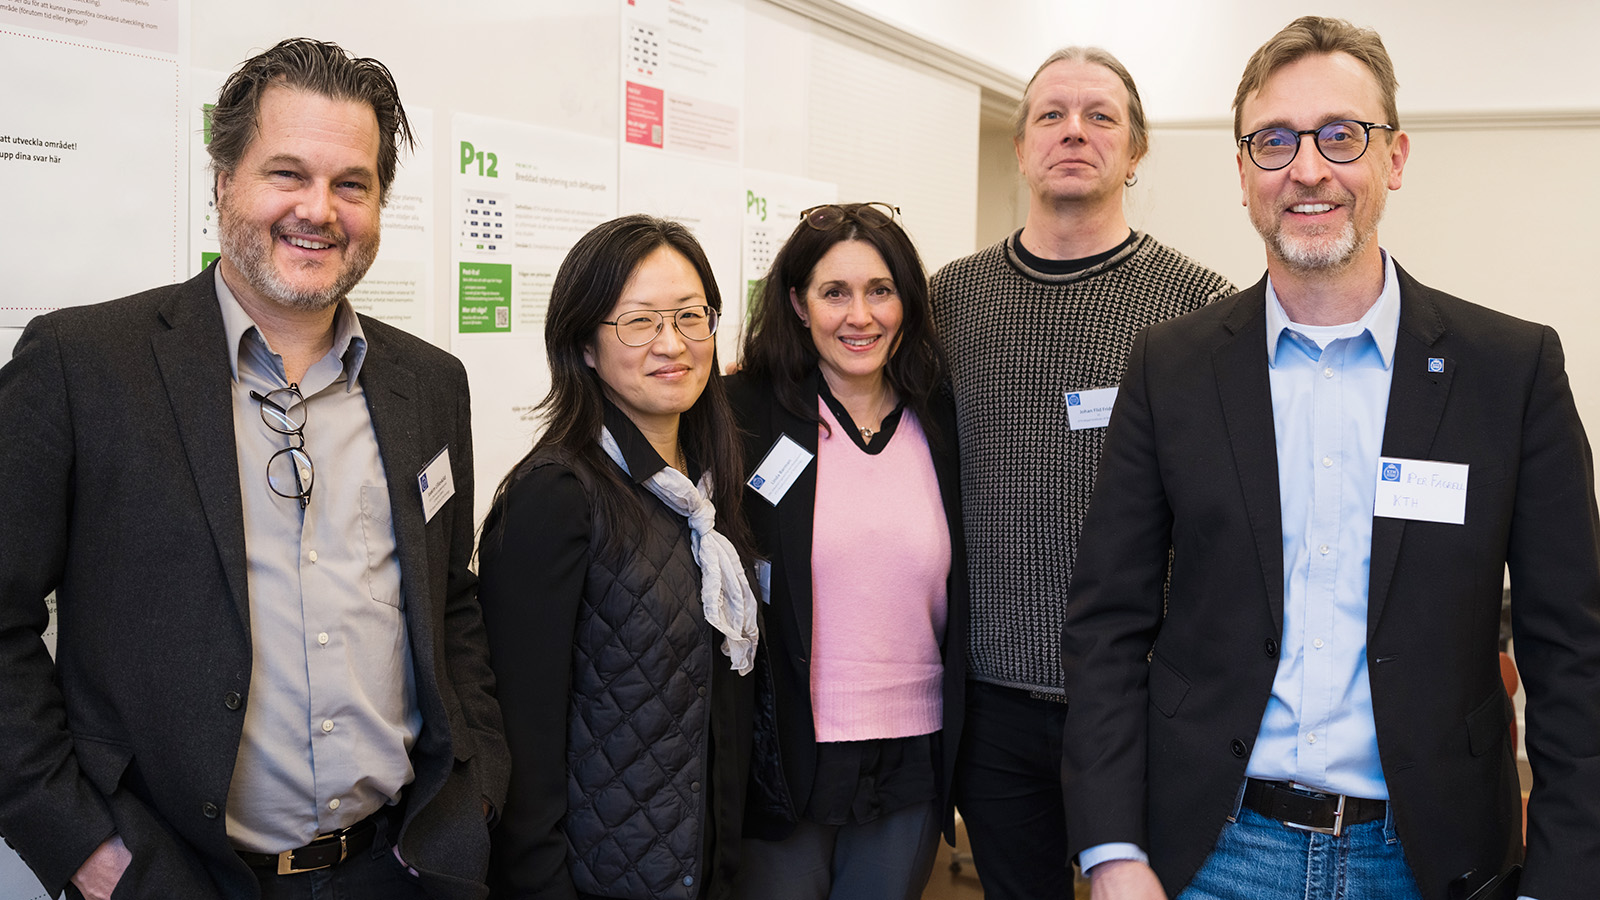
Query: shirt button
{"points": [[305, 475], [1317, 643], [232, 700], [313, 555], [327, 725], [1327, 372], [1327, 462], [1324, 549], [1311, 738], [322, 638], [334, 803]]}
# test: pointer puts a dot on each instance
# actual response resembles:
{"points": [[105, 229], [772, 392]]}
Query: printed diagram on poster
{"points": [[772, 206], [93, 215], [398, 289], [683, 76], [521, 196]]}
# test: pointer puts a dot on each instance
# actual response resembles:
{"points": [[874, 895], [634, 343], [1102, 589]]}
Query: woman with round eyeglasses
{"points": [[619, 614], [854, 498]]}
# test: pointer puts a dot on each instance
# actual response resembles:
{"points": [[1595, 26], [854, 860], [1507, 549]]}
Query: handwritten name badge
{"points": [[1421, 490], [1090, 409], [779, 469], [436, 484]]}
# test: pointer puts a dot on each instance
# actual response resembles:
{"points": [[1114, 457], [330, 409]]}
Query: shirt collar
{"points": [[1381, 321], [244, 337], [642, 459]]}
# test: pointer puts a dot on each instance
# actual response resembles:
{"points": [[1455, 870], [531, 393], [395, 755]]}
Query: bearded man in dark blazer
{"points": [[255, 509], [1342, 463]]}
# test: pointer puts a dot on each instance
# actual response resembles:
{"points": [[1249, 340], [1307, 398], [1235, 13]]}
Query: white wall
{"points": [[1187, 54]]}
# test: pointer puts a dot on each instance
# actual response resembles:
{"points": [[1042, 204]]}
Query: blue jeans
{"points": [[1257, 858]]}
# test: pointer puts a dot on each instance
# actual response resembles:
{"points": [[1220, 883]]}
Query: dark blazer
{"points": [[783, 536], [123, 496], [1157, 750]]}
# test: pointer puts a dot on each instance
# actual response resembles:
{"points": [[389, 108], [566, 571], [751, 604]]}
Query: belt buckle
{"points": [[286, 864], [1338, 821]]}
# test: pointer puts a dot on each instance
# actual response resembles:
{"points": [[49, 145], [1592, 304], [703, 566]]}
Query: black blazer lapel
{"points": [[795, 515], [391, 389], [1416, 404], [1240, 363], [192, 356]]}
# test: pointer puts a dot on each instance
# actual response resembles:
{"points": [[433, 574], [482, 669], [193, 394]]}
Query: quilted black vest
{"points": [[639, 722]]}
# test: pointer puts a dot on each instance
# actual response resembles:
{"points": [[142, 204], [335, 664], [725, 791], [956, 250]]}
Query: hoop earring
{"points": [[1131, 180]]}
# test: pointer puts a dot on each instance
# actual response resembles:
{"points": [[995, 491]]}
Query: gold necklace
{"points": [[867, 433]]}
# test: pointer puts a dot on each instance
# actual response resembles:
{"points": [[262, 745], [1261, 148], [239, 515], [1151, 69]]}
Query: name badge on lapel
{"points": [[1090, 409], [1421, 490], [779, 469], [435, 483]]}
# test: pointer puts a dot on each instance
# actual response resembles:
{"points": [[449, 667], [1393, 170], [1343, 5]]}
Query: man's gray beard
{"points": [[1316, 254], [252, 257]]}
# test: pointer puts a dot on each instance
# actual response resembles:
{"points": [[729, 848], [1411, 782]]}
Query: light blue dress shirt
{"points": [[1330, 395]]}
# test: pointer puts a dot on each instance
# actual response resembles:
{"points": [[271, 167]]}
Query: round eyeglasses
{"points": [[638, 327], [289, 471], [1344, 141], [829, 216]]}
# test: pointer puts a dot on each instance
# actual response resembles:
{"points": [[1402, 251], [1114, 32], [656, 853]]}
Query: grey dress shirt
{"points": [[332, 708]]}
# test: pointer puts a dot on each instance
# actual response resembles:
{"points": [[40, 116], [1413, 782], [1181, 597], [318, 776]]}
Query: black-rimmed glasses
{"points": [[829, 216], [638, 327], [289, 471], [1344, 141]]}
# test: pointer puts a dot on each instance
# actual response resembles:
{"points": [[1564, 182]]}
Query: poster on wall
{"points": [[520, 196], [772, 206], [398, 289], [683, 76], [92, 215]]}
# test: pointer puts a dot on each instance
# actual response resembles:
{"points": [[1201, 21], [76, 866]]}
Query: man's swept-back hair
{"points": [[1310, 35], [321, 68], [1138, 128]]}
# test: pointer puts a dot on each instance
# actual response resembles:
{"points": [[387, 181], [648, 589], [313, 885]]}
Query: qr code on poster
{"points": [[502, 317]]}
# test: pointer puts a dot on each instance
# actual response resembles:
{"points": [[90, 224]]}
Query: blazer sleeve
{"points": [[1554, 558], [466, 642], [50, 810], [1114, 610], [535, 559]]}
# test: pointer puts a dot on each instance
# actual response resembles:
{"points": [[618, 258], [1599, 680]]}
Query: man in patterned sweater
{"points": [[1039, 327]]}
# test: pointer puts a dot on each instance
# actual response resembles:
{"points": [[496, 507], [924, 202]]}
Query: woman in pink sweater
{"points": [[854, 496]]}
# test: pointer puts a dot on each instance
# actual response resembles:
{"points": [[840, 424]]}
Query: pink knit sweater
{"points": [[880, 554]]}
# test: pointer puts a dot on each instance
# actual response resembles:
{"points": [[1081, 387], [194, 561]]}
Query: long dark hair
{"points": [[587, 287], [778, 347]]}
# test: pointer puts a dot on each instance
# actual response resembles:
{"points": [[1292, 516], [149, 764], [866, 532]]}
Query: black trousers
{"points": [[1008, 790]]}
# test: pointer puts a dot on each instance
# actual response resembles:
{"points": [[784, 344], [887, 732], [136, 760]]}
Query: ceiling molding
{"points": [[915, 47], [1456, 121]]}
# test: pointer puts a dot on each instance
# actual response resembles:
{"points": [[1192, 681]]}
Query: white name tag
{"points": [[1421, 490], [778, 471], [1090, 409], [436, 484]]}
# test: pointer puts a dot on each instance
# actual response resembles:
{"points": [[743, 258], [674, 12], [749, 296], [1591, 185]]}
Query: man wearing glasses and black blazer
{"points": [[271, 675], [1336, 467]]}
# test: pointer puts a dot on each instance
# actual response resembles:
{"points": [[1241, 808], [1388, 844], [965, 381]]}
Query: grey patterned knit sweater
{"points": [[1019, 340]]}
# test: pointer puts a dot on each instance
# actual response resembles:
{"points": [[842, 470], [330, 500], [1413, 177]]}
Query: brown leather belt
{"points": [[1310, 810], [325, 852]]}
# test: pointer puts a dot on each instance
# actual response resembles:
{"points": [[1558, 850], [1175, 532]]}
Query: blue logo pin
{"points": [[756, 481], [424, 479], [1435, 364], [1074, 400], [1391, 471]]}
